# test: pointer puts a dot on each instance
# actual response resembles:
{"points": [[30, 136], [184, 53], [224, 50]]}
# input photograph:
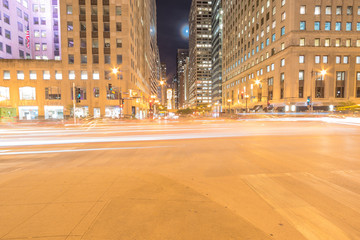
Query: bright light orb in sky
{"points": [[185, 31]]}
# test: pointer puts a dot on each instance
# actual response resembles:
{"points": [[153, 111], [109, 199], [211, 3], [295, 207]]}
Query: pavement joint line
{"points": [[79, 150]]}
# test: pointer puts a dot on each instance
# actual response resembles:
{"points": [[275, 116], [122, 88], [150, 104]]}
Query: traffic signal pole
{"points": [[74, 105]]}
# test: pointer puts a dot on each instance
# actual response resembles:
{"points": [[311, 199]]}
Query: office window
{"points": [[8, 49], [348, 43], [21, 41], [325, 59], [84, 75], [20, 27], [71, 59], [36, 33], [317, 10], [43, 33], [301, 59], [96, 92], [107, 59], [328, 10], [118, 27], [317, 59], [119, 59], [302, 25], [44, 46], [58, 75], [27, 93], [357, 43], [118, 10], [5, 93], [302, 10], [95, 43], [6, 18], [36, 20], [338, 42], [46, 75], [317, 42], [349, 10], [357, 59], [338, 59], [6, 75], [338, 10], [70, 26], [348, 26], [70, 42], [71, 75], [327, 26], [346, 60], [338, 26], [8, 34], [83, 58], [316, 26], [37, 46], [282, 62], [33, 75], [107, 75], [302, 42], [282, 31], [96, 75], [20, 75], [119, 43]]}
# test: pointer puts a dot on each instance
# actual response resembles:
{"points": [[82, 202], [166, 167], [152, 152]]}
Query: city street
{"points": [[281, 178]]}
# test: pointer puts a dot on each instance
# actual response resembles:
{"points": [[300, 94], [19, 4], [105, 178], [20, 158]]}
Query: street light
{"points": [[229, 101], [116, 71], [246, 101]]}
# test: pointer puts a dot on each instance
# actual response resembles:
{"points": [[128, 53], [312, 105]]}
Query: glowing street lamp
{"points": [[323, 72], [257, 82], [229, 101], [115, 70]]}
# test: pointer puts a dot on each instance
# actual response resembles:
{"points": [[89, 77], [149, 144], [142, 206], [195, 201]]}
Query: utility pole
{"points": [[74, 105]]}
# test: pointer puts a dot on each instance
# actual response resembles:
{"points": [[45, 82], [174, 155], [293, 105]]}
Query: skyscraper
{"points": [[30, 29], [200, 52], [216, 69], [291, 55], [181, 56]]}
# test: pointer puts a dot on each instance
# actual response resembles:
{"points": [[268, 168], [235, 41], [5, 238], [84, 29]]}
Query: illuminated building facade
{"points": [[40, 20], [290, 54], [182, 55], [109, 52], [200, 52], [216, 69]]}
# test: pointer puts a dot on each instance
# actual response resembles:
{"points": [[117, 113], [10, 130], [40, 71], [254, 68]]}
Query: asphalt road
{"points": [[259, 179]]}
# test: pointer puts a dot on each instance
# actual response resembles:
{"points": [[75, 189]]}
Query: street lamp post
{"points": [[246, 102], [323, 73], [229, 101], [116, 71]]}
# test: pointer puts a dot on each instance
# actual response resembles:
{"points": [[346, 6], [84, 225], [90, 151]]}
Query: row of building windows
{"points": [[54, 93], [46, 75], [329, 10], [327, 26]]}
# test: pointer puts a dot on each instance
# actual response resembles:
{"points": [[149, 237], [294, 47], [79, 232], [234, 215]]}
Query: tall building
{"points": [[175, 87], [181, 56], [216, 69], [30, 29], [290, 54], [200, 52], [162, 86], [109, 56], [187, 82]]}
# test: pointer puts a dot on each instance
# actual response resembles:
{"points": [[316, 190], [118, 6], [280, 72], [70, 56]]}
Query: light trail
{"points": [[7, 152]]}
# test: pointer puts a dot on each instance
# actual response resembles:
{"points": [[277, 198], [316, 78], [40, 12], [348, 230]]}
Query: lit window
{"points": [[20, 75]]}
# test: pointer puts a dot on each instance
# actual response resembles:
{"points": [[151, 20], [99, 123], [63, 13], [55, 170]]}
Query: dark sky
{"points": [[172, 15]]}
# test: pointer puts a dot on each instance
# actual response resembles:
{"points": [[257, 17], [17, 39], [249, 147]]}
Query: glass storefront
{"points": [[54, 112], [28, 112], [113, 112], [81, 112], [96, 112]]}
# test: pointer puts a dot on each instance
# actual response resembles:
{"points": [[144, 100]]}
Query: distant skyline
{"points": [[172, 16]]}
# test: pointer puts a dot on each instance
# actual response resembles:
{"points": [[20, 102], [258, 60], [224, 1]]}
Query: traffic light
{"points": [[78, 95], [110, 87], [308, 101]]}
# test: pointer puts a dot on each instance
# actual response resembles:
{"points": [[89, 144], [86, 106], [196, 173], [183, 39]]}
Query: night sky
{"points": [[172, 16]]}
